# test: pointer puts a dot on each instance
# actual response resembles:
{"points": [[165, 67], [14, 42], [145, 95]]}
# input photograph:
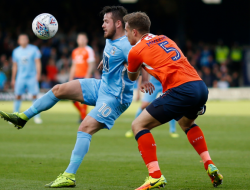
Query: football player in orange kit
{"points": [[184, 97], [83, 63]]}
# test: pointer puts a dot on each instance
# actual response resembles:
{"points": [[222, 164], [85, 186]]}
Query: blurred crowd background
{"points": [[216, 53]]}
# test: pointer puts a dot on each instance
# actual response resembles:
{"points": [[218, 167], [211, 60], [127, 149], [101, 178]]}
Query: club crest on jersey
{"points": [[113, 50]]}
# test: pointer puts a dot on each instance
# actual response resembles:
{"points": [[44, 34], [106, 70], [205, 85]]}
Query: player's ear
{"points": [[118, 23], [134, 32]]}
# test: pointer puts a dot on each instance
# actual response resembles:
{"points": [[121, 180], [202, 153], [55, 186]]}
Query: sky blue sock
{"points": [[47, 101], [138, 112], [38, 115], [80, 150], [172, 128], [17, 105]]}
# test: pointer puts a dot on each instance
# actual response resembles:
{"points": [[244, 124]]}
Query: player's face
{"points": [[108, 26], [130, 35], [82, 40], [23, 40]]}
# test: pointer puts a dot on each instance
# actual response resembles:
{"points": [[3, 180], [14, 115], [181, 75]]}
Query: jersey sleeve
{"points": [[37, 53], [91, 53], [134, 61], [14, 58]]}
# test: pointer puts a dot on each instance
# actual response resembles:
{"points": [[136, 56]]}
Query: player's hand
{"points": [[126, 65], [147, 87], [100, 66]]}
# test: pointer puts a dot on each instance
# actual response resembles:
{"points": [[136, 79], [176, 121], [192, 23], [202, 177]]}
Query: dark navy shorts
{"points": [[187, 100]]}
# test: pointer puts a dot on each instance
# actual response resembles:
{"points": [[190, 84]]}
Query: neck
{"points": [[118, 34], [24, 46], [81, 46], [140, 36]]}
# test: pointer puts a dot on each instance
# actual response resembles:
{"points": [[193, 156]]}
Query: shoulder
{"points": [[124, 44], [74, 50], [32, 47], [16, 49], [124, 40], [133, 53], [88, 48]]}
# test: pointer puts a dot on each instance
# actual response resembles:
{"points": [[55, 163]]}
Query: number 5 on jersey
{"points": [[174, 58]]}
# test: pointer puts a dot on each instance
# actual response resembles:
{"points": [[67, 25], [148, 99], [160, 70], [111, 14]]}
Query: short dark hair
{"points": [[118, 12], [139, 21]]}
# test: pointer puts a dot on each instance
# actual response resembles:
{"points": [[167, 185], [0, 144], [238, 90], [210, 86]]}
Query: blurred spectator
{"points": [[221, 52], [6, 68], [53, 54], [45, 82], [3, 58], [207, 76], [235, 80], [236, 55], [52, 72], [3, 80], [62, 46], [223, 83], [204, 59], [62, 62], [45, 50], [213, 62], [63, 76]]}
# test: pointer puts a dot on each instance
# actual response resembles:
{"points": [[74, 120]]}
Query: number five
{"points": [[105, 110], [174, 58]]}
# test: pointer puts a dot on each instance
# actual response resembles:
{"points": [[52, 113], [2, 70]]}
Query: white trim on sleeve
{"points": [[91, 54]]}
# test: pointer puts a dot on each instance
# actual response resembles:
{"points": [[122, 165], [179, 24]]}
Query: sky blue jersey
{"points": [[25, 59], [154, 81], [114, 75]]}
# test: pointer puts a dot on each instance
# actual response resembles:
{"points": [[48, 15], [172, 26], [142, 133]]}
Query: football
{"points": [[45, 26]]}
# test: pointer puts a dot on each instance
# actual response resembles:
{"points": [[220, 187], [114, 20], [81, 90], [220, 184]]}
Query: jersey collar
{"points": [[118, 39], [144, 36]]}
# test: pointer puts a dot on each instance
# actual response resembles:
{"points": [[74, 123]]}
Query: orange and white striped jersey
{"points": [[81, 57]]}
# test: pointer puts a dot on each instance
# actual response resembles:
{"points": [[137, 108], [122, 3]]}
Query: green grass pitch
{"points": [[37, 154]]}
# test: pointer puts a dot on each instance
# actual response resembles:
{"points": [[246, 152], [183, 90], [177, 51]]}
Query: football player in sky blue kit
{"points": [[147, 99], [26, 72], [110, 95]]}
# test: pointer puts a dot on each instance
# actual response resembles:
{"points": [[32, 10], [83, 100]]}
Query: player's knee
{"points": [[136, 127], [57, 90], [87, 126], [185, 123]]}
